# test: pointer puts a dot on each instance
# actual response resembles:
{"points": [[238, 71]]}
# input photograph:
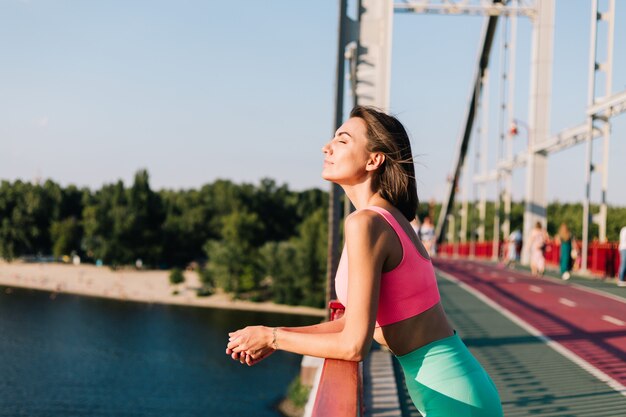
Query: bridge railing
{"points": [[603, 258], [340, 388]]}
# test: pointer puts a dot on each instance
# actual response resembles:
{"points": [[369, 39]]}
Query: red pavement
{"points": [[590, 325]]}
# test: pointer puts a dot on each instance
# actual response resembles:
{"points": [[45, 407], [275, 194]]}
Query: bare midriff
{"points": [[407, 335]]}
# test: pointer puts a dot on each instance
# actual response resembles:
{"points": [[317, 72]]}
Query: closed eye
{"points": [[341, 135]]}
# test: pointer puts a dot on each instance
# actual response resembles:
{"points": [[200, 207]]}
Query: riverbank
{"points": [[129, 285]]}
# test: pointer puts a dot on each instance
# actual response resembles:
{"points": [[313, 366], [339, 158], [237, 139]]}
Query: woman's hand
{"points": [[250, 344], [243, 357]]}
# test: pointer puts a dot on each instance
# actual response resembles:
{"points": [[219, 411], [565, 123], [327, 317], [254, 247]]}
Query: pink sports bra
{"points": [[407, 290]]}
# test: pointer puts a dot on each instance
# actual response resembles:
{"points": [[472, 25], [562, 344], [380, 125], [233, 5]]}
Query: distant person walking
{"points": [[415, 224], [427, 235], [622, 253], [538, 238], [514, 244], [565, 239]]}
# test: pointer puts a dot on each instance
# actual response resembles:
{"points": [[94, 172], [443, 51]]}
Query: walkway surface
{"points": [[553, 348]]}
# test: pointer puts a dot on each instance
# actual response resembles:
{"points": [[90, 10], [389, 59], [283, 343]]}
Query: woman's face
{"points": [[346, 156]]}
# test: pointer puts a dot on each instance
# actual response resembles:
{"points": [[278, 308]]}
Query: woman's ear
{"points": [[375, 161]]}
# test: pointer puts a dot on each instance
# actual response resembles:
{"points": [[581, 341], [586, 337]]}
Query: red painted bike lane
{"points": [[588, 324]]}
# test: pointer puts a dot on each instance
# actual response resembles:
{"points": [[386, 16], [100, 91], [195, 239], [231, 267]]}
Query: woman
{"points": [[427, 235], [538, 239], [385, 280], [564, 237], [514, 243], [621, 281]]}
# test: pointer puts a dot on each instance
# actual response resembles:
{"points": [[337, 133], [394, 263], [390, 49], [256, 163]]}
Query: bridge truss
{"points": [[364, 48]]}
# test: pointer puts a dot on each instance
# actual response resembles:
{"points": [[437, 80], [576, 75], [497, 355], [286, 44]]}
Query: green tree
{"points": [[66, 236], [206, 278], [230, 266], [142, 230], [233, 261], [187, 226], [311, 252], [276, 208], [27, 211], [176, 276], [277, 264], [122, 225], [106, 222]]}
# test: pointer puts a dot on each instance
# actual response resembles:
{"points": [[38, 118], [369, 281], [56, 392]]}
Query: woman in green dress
{"points": [[565, 239]]}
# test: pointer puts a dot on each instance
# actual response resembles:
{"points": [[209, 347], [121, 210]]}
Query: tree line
{"points": [[261, 241]]}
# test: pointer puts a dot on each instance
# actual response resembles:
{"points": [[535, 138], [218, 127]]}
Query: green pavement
{"points": [[532, 378]]}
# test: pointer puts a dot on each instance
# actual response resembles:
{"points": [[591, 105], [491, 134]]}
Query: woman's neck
{"points": [[362, 196]]}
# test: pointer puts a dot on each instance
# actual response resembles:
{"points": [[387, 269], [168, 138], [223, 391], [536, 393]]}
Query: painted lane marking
{"points": [[568, 284], [586, 289], [567, 302], [536, 289], [613, 320], [596, 372], [511, 279]]}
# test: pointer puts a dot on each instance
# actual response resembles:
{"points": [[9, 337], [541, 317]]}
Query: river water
{"points": [[83, 356]]}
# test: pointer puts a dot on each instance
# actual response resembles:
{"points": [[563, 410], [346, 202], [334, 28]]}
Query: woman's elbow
{"points": [[356, 353]]}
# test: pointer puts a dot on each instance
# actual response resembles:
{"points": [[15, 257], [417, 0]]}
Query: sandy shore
{"points": [[130, 285]]}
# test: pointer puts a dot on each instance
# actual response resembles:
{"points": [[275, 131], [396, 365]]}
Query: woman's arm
{"points": [[325, 327], [353, 341]]}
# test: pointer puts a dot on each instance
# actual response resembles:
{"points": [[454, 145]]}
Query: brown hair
{"points": [[395, 179]]}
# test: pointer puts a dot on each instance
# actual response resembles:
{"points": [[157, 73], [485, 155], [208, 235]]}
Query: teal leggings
{"points": [[444, 379]]}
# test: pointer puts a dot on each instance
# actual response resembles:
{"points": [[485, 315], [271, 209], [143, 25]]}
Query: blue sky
{"points": [[199, 90]]}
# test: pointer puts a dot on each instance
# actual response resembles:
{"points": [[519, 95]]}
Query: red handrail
{"points": [[602, 258], [340, 389]]}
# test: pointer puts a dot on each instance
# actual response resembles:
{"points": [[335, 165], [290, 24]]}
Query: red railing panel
{"points": [[340, 389], [602, 258]]}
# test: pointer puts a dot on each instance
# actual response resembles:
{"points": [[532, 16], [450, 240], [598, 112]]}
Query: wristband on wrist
{"points": [[274, 342]]}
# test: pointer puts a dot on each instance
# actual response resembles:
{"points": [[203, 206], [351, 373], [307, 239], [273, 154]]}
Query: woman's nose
{"points": [[326, 148]]}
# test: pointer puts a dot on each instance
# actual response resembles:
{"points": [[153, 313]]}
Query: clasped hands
{"points": [[250, 345]]}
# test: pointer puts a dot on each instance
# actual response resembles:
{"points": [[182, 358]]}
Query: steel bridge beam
{"points": [[463, 7], [489, 31], [605, 109], [609, 107]]}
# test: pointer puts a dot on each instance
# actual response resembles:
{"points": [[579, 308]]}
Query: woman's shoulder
{"points": [[363, 218], [365, 222]]}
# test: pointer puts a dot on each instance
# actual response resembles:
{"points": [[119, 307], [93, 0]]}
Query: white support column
{"points": [[465, 208], [508, 175], [451, 228], [539, 119], [594, 68], [609, 16], [484, 169], [591, 84], [500, 141], [373, 69]]}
